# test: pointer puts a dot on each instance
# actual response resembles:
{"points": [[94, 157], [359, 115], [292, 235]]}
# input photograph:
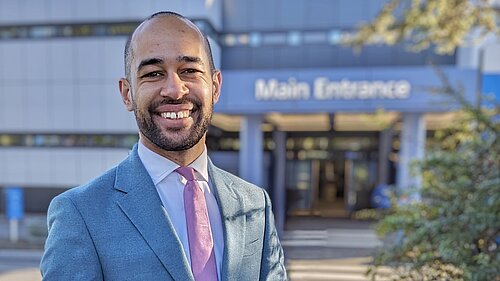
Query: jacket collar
{"points": [[231, 205], [142, 205]]}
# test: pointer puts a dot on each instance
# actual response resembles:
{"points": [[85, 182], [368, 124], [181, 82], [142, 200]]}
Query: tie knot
{"points": [[186, 172]]}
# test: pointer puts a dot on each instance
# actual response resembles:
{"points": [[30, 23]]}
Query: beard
{"points": [[172, 139]]}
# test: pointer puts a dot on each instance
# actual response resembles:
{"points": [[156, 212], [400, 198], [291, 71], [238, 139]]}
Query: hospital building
{"points": [[316, 123]]}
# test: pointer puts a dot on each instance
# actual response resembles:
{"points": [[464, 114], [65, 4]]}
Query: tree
{"points": [[446, 24], [453, 233]]}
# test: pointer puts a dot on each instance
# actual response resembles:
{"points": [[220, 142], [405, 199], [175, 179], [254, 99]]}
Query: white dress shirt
{"points": [[170, 187]]}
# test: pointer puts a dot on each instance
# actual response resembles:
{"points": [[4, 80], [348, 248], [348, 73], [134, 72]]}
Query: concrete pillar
{"points": [[279, 190], [412, 148], [251, 149]]}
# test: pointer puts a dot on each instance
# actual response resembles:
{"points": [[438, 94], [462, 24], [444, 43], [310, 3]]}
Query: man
{"points": [[133, 223]]}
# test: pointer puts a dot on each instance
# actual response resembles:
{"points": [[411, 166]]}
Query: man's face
{"points": [[172, 89]]}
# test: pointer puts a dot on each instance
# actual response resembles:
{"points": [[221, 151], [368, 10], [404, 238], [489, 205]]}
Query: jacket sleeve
{"points": [[273, 261], [69, 250]]}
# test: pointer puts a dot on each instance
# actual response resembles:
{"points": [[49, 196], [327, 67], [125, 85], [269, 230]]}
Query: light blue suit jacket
{"points": [[115, 228]]}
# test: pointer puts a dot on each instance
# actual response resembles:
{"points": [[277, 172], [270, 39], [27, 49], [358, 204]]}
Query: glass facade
{"points": [[69, 140]]}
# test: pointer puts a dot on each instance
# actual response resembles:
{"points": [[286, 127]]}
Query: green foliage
{"points": [[446, 24], [453, 233]]}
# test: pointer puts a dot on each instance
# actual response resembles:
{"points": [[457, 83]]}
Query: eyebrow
{"points": [[150, 61], [190, 59]]}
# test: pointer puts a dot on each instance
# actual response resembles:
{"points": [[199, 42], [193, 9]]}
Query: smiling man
{"points": [[166, 212]]}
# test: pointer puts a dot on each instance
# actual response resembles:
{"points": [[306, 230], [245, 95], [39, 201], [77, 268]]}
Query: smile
{"points": [[176, 115]]}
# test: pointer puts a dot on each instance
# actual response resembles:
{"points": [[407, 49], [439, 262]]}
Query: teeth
{"points": [[175, 115]]}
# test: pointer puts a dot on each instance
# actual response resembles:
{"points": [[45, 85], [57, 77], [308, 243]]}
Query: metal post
{"points": [[384, 151], [279, 190], [14, 230], [479, 79]]}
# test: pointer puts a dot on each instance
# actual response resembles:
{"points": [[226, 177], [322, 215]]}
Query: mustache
{"points": [[165, 101]]}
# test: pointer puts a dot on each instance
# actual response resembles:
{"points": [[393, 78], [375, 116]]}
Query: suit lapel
{"points": [[231, 206], [143, 207]]}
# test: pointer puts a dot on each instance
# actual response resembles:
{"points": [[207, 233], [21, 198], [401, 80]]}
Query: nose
{"points": [[174, 87]]}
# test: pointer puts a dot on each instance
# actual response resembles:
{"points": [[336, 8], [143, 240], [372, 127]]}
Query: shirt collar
{"points": [[159, 167]]}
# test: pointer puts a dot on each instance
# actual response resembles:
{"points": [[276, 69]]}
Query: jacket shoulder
{"points": [[92, 189], [235, 179], [245, 188]]}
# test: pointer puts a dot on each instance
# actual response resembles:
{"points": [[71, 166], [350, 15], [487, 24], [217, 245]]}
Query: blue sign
{"points": [[491, 86], [14, 202], [403, 89]]}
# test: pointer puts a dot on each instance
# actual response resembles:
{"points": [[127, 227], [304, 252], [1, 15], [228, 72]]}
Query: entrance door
{"points": [[330, 200], [301, 186], [316, 187], [360, 179], [330, 187]]}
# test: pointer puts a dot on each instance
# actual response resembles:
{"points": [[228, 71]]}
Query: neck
{"points": [[182, 157]]}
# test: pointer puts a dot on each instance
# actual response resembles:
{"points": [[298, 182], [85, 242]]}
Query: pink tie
{"points": [[201, 244]]}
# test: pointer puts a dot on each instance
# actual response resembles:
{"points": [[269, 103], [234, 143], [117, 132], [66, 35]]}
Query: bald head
{"points": [[178, 19]]}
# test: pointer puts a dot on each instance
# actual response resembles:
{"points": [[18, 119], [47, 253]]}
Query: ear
{"points": [[126, 93], [216, 85]]}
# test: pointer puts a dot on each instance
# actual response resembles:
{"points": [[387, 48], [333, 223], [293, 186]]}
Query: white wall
{"points": [[55, 167], [469, 55], [492, 58], [63, 85], [36, 11]]}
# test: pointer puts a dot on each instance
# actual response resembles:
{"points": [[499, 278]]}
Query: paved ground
{"points": [[20, 265], [316, 249]]}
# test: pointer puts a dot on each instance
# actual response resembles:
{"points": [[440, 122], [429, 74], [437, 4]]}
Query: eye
{"points": [[189, 71], [152, 74]]}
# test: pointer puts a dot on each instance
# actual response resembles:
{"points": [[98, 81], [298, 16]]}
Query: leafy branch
{"points": [[446, 24]]}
